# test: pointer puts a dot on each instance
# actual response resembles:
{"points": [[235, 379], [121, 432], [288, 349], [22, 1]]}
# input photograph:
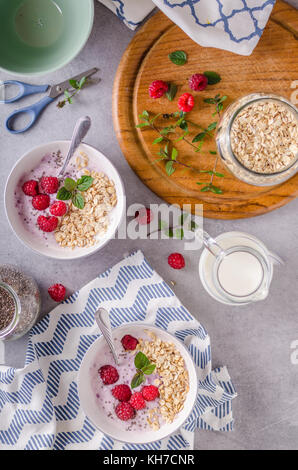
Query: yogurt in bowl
{"points": [[169, 392], [79, 232]]}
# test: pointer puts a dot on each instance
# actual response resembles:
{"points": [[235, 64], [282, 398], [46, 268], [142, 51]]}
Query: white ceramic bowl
{"points": [[96, 415], [29, 161]]}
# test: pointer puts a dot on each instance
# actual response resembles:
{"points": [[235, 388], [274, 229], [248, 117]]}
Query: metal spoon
{"points": [[81, 128], [102, 319]]}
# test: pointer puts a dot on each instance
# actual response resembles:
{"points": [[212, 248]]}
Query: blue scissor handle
{"points": [[25, 89], [34, 110]]}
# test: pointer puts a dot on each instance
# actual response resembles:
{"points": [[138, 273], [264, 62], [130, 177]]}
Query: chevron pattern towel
{"points": [[233, 25], [39, 405]]}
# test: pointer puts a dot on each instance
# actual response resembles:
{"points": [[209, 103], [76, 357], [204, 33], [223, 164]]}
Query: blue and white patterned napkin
{"points": [[39, 405], [233, 25]]}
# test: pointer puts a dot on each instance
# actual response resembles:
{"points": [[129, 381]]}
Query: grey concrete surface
{"points": [[253, 341]]}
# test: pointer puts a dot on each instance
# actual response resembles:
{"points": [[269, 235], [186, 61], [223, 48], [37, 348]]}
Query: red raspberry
{"points": [[125, 411], [158, 88], [198, 82], [122, 392], [176, 261], [129, 342], [59, 208], [30, 188], [49, 184], [150, 392], [137, 401], [41, 202], [47, 224], [57, 292], [109, 374], [186, 102], [144, 216]]}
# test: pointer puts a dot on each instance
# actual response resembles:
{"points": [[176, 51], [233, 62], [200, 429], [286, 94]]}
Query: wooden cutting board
{"points": [[273, 68]]}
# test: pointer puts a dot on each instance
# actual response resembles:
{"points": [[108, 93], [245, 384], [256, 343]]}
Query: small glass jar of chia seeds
{"points": [[19, 302]]}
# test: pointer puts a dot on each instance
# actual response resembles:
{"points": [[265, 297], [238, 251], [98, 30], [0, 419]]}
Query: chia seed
{"points": [[26, 302], [7, 308]]}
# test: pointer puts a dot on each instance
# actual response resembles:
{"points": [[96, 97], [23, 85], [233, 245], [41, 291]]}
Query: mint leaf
{"points": [[74, 84], [178, 57], [169, 233], [148, 370], [141, 360], [215, 189], [69, 184], [174, 153], [169, 167], [142, 124], [78, 200], [84, 182], [212, 126], [193, 226], [162, 225], [82, 82], [213, 77], [63, 194], [179, 233], [199, 137], [137, 380], [157, 140], [171, 93]]}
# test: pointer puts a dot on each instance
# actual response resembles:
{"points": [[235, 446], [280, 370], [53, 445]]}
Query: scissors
{"points": [[35, 109]]}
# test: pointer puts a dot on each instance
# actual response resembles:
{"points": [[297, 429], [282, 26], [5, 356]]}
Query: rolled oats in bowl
{"points": [[258, 139], [82, 227]]}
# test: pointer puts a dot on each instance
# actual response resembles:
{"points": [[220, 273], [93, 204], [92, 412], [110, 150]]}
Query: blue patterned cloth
{"points": [[39, 405], [233, 25]]}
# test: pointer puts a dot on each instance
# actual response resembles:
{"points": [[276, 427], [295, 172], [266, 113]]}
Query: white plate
{"points": [[29, 161], [96, 415]]}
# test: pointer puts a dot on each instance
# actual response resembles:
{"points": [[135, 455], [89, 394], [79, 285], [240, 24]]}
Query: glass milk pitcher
{"points": [[236, 268]]}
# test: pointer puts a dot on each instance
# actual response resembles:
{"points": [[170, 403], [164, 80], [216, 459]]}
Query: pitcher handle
{"points": [[211, 245], [275, 258]]}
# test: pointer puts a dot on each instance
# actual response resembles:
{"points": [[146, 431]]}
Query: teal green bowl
{"points": [[40, 36]]}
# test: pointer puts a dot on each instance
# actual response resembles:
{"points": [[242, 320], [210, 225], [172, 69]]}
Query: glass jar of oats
{"points": [[19, 302], [257, 139]]}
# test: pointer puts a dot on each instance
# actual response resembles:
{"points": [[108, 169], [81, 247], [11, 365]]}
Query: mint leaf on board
{"points": [[169, 167], [174, 153], [178, 57], [172, 91], [200, 136], [63, 194], [212, 77]]}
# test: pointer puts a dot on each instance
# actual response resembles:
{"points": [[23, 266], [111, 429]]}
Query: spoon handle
{"points": [[81, 128], [103, 321]]}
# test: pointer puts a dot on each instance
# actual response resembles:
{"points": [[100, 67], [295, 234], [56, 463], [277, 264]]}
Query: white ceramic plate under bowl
{"points": [[98, 417], [29, 161]]}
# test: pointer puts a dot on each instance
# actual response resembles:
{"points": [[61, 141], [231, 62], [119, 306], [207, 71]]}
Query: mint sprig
{"points": [[72, 190], [144, 367], [77, 85]]}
